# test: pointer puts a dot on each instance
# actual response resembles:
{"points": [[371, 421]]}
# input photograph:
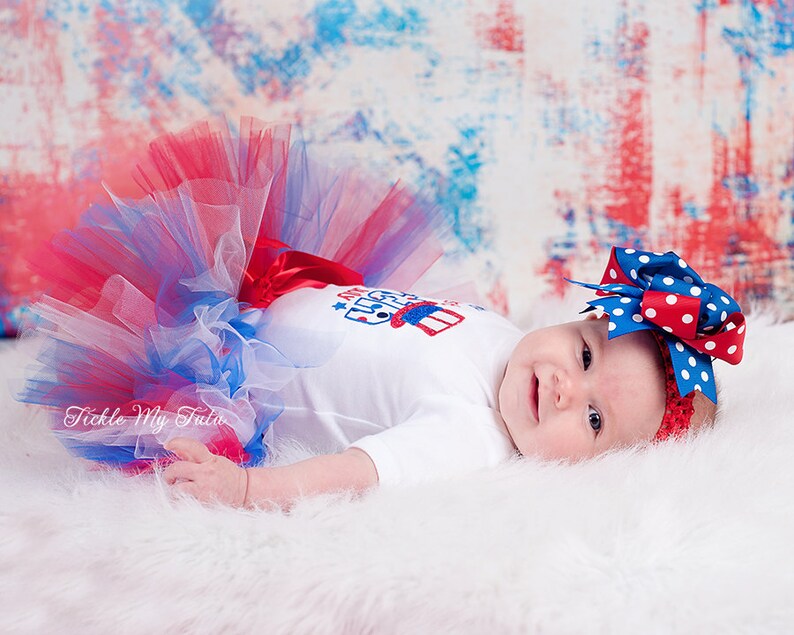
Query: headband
{"points": [[693, 322]]}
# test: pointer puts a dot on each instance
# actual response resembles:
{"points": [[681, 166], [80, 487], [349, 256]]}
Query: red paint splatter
{"points": [[767, 3], [744, 157], [38, 206], [497, 298], [29, 214], [502, 31], [120, 55], [38, 201], [733, 247], [701, 61], [730, 238], [554, 271], [630, 171]]}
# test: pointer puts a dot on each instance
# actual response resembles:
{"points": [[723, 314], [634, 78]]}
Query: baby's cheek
{"points": [[559, 443]]}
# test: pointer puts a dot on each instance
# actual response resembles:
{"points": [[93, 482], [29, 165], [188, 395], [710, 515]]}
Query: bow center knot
{"points": [[672, 312]]}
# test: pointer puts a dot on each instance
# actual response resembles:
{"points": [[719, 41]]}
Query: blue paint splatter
{"points": [[86, 165], [334, 25], [454, 187], [200, 11], [115, 63], [331, 20], [629, 53], [695, 211], [357, 128], [457, 191], [589, 229], [619, 233], [564, 116], [165, 91], [743, 187], [704, 6], [387, 28], [338, 23], [783, 28], [763, 34]]}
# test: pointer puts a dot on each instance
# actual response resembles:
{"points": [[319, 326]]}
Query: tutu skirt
{"points": [[144, 333]]}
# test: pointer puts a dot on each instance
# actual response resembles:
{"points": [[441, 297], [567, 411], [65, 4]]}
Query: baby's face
{"points": [[571, 393]]}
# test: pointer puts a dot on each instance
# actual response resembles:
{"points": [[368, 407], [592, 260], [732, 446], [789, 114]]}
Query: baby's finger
{"points": [[189, 449], [180, 470], [190, 488]]}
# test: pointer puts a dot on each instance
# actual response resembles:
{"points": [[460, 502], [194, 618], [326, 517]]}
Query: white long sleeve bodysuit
{"points": [[411, 382]]}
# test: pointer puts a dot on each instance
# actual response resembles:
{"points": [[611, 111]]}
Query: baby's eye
{"points": [[594, 419], [587, 357]]}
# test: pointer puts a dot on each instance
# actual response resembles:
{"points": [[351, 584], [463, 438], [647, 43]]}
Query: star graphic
{"points": [[339, 305]]}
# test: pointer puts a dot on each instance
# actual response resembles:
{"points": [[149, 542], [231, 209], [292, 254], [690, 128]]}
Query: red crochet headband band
{"points": [[678, 410]]}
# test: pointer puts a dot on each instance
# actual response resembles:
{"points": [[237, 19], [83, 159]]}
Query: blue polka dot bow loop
{"points": [[642, 290]]}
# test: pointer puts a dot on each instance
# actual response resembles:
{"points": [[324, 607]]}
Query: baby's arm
{"points": [[211, 477], [349, 470]]}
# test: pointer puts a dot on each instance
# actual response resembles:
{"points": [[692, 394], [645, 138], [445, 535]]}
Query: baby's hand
{"points": [[204, 475]]}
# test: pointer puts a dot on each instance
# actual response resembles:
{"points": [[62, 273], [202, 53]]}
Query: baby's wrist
{"points": [[245, 487], [260, 488]]}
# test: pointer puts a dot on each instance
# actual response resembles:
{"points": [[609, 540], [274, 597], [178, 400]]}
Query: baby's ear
{"points": [[593, 315], [705, 412]]}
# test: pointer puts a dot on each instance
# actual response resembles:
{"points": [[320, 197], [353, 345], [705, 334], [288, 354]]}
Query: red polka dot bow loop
{"points": [[642, 290]]}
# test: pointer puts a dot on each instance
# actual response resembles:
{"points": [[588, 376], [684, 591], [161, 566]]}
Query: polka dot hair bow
{"points": [[650, 291]]}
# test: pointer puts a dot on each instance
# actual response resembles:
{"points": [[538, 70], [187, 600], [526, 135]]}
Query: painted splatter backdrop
{"points": [[546, 130]]}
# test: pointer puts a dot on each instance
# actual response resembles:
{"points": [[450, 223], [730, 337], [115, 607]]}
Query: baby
{"points": [[419, 389], [246, 299]]}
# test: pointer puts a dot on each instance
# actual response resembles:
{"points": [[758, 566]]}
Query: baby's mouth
{"points": [[533, 396]]}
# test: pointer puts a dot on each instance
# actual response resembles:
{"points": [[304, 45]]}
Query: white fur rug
{"points": [[693, 537]]}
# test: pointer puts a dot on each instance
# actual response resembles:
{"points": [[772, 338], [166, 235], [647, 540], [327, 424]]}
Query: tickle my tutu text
{"points": [[154, 418]]}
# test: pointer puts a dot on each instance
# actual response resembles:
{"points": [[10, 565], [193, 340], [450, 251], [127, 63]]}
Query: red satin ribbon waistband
{"points": [[294, 270]]}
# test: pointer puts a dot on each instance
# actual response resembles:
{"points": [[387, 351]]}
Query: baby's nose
{"points": [[563, 388]]}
